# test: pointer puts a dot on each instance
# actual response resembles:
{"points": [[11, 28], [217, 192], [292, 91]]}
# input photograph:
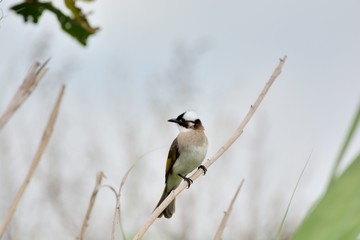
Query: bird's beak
{"points": [[174, 120]]}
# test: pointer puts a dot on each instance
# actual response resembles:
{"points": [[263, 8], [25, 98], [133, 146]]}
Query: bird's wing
{"points": [[173, 155]]}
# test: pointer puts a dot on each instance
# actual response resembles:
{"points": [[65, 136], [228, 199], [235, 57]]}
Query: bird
{"points": [[187, 152]]}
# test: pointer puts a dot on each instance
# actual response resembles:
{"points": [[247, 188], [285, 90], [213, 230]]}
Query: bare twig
{"points": [[216, 156], [117, 220], [33, 77], [222, 225], [117, 215], [98, 186], [99, 178], [44, 141]]}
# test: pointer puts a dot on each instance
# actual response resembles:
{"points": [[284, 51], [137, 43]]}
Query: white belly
{"points": [[189, 159]]}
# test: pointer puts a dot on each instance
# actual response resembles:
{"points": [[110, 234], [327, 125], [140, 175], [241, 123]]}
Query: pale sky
{"points": [[151, 61]]}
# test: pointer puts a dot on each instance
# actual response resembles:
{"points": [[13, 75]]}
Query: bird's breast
{"points": [[189, 159]]}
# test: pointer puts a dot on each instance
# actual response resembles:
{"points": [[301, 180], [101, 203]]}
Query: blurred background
{"points": [[151, 61]]}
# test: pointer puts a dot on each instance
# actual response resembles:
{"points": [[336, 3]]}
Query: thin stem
{"points": [[42, 146], [278, 233], [99, 178], [222, 225], [117, 215]]}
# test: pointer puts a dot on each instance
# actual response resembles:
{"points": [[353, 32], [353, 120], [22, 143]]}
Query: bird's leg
{"points": [[188, 180], [203, 168]]}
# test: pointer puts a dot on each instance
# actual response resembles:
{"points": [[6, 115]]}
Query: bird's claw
{"points": [[203, 168], [188, 180]]}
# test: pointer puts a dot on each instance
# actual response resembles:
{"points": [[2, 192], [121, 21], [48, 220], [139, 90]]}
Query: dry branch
{"points": [[44, 141], [99, 178], [33, 77], [216, 156], [117, 215], [222, 225]]}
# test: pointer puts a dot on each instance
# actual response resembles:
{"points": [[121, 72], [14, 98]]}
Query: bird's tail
{"points": [[170, 209]]}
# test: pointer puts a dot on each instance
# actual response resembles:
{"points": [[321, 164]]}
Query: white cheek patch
{"points": [[183, 129]]}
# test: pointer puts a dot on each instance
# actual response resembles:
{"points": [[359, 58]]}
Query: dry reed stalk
{"points": [[35, 162], [117, 215], [117, 222], [224, 220], [33, 77], [99, 177], [217, 155]]}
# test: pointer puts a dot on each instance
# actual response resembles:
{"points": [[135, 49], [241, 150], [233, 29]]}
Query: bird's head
{"points": [[187, 121]]}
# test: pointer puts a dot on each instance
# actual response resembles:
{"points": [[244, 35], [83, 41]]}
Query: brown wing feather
{"points": [[172, 156]]}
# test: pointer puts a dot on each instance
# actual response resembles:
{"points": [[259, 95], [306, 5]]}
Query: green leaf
{"points": [[29, 11], [79, 16], [348, 138], [77, 26], [337, 215]]}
